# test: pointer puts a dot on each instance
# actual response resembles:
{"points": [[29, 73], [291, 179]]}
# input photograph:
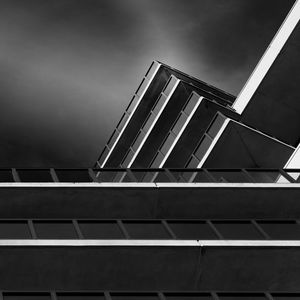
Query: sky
{"points": [[68, 68]]}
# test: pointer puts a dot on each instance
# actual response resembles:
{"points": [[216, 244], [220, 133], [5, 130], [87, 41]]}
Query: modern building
{"points": [[260, 127], [195, 196], [162, 96]]}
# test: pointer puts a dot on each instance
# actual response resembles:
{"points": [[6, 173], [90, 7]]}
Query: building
{"points": [[195, 196], [159, 99], [169, 129]]}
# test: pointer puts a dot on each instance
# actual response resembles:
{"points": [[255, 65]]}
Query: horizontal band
{"points": [[150, 185], [154, 243]]}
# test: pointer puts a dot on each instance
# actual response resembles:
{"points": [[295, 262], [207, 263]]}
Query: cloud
{"points": [[68, 68]]}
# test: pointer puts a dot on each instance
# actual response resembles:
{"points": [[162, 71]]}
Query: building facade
{"points": [[195, 196], [176, 121]]}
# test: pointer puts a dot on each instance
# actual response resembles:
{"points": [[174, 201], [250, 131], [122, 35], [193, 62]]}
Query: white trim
{"points": [[249, 243], [181, 131], [294, 160], [130, 116], [215, 185], [213, 143], [153, 123], [38, 242], [261, 133], [77, 185], [267, 59], [148, 185], [150, 243], [222, 129]]}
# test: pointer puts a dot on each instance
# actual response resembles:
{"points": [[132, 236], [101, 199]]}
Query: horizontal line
{"points": [[150, 185], [154, 243], [41, 242], [75, 185], [249, 243], [229, 185]]}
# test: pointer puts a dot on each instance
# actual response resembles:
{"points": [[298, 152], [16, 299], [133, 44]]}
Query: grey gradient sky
{"points": [[68, 68]]}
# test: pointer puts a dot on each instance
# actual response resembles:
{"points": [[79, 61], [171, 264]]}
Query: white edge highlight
{"points": [[148, 185], [151, 243], [261, 133], [220, 132], [181, 131], [294, 160], [268, 58], [130, 116], [213, 143], [153, 123]]}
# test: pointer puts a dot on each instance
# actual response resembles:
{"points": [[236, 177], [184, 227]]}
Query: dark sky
{"points": [[68, 68]]}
